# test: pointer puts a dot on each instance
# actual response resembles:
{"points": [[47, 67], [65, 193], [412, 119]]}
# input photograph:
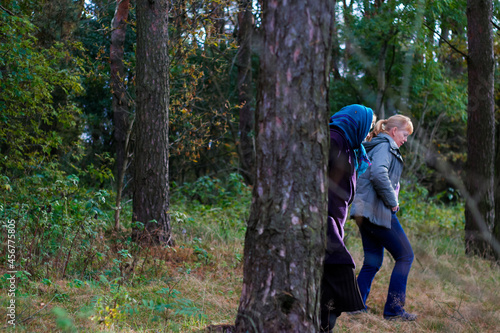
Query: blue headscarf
{"points": [[355, 121]]}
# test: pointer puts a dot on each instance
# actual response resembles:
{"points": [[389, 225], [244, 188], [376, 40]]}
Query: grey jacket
{"points": [[376, 188]]}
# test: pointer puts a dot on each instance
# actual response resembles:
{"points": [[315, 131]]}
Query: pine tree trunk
{"points": [[120, 102], [381, 82], [247, 113], [348, 23], [151, 190], [284, 243], [496, 226], [479, 211], [335, 48]]}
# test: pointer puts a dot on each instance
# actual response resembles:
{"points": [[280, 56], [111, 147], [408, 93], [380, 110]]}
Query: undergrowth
{"points": [[75, 274]]}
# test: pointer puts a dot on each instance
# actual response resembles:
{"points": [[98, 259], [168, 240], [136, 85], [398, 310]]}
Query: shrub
{"points": [[58, 224]]}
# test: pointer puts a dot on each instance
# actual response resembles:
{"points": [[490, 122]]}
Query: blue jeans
{"points": [[375, 239]]}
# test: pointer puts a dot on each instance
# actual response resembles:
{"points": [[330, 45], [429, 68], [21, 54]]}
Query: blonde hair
{"points": [[385, 125]]}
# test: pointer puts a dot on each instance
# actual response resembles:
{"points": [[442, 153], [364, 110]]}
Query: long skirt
{"points": [[339, 290]]}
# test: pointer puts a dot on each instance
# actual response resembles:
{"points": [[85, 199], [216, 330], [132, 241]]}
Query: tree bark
{"points": [[335, 47], [247, 113], [348, 26], [285, 239], [496, 226], [479, 210], [151, 189], [120, 101], [381, 82]]}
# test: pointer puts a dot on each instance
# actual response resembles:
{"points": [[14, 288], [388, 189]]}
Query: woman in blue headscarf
{"points": [[347, 160]]}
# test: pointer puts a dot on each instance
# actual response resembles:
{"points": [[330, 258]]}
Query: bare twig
{"points": [[6, 10], [69, 254], [460, 316], [33, 315], [495, 25], [446, 41]]}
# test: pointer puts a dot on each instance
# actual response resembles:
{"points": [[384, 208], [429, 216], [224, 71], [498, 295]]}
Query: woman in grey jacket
{"points": [[374, 209]]}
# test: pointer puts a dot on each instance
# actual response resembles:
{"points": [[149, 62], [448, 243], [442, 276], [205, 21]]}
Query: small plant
{"points": [[61, 297], [63, 320], [46, 282], [167, 302], [76, 283], [200, 252], [110, 308]]}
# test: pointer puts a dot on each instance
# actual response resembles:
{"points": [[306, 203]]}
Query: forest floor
{"points": [[197, 283]]}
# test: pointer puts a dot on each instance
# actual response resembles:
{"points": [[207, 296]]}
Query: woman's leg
{"points": [[399, 247], [374, 256]]}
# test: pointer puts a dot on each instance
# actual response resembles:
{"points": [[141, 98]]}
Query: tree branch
{"points": [[444, 39], [6, 10], [496, 26]]}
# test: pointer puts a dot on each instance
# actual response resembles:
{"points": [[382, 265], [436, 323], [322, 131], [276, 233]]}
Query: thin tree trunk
{"points": [[247, 113], [348, 38], [120, 185], [479, 210], [381, 82], [119, 93], [285, 239], [151, 188], [335, 47], [496, 226]]}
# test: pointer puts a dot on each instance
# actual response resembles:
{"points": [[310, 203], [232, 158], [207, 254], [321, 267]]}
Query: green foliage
{"points": [[209, 190], [63, 320], [202, 95], [115, 305], [33, 129], [108, 307], [94, 32], [58, 223], [202, 254], [423, 76], [65, 227], [425, 214], [167, 299], [226, 203]]}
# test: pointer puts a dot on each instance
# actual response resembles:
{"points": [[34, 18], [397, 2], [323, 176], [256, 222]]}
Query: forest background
{"points": [[67, 136]]}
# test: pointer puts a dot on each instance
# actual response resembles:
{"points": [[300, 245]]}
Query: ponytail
{"points": [[385, 125]]}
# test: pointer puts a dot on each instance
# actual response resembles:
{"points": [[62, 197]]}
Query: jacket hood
{"points": [[382, 137]]}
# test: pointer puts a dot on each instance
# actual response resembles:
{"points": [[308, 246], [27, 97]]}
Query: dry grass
{"points": [[449, 292]]}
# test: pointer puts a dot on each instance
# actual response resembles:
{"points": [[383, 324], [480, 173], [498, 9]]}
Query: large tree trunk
{"points": [[285, 239], [151, 190], [479, 211], [120, 101], [247, 115]]}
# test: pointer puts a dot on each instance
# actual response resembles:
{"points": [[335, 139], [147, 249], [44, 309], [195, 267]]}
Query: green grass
{"points": [[197, 282]]}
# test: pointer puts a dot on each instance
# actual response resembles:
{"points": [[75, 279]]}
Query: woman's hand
{"points": [[395, 209]]}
